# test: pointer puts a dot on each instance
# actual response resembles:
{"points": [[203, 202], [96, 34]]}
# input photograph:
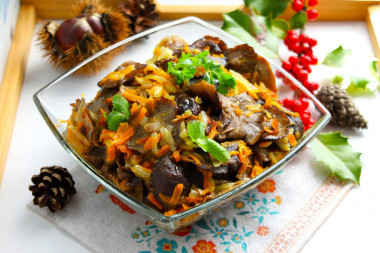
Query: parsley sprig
{"points": [[196, 131], [186, 68], [120, 112]]}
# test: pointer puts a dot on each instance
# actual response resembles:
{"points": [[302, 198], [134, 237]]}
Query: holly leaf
{"points": [[336, 57], [336, 153], [280, 28], [272, 8], [361, 86], [237, 24], [298, 20]]}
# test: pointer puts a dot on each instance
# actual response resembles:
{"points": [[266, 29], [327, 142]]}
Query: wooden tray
{"points": [[332, 10]]}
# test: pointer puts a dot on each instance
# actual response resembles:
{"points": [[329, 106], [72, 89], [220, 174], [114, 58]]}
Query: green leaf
{"points": [[337, 80], [271, 8], [121, 105], [359, 86], [186, 66], [298, 20], [333, 150], [120, 112], [280, 28], [374, 70], [235, 23], [196, 130], [336, 57]]}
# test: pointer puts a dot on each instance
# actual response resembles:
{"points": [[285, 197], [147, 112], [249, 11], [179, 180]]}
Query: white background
{"points": [[353, 227]]}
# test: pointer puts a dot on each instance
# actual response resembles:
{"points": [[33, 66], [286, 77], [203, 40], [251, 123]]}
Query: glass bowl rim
{"points": [[322, 122]]}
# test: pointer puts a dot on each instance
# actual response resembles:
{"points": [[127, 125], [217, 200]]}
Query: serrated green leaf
{"points": [[360, 86], [235, 23], [280, 28], [333, 150], [336, 57], [272, 8], [298, 20]]}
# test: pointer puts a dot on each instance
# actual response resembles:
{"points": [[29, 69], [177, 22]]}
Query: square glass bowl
{"points": [[53, 101]]}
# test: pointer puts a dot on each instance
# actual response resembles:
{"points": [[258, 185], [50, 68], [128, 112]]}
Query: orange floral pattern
{"points": [[268, 185], [203, 246], [121, 204], [262, 231]]}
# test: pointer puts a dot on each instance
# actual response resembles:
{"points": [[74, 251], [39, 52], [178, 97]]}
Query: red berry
{"points": [[297, 47], [291, 33], [279, 74], [287, 42], [294, 38], [304, 38], [313, 2], [306, 114], [312, 42], [312, 14], [314, 86], [293, 60], [305, 60], [308, 51], [296, 68], [307, 68], [302, 75], [311, 122], [305, 103], [297, 5], [313, 60], [288, 103], [297, 105], [286, 65]]}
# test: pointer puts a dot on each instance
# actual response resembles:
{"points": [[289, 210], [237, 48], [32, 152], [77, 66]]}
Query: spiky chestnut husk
{"points": [[93, 29], [341, 106]]}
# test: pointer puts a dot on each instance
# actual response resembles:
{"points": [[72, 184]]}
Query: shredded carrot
{"points": [[140, 116], [123, 133], [128, 95], [170, 212], [106, 134], [176, 194], [117, 75], [265, 144], [154, 201], [134, 109], [124, 149], [212, 132], [151, 141], [108, 100], [292, 140], [275, 123], [163, 150], [242, 169], [196, 160], [185, 207], [142, 140], [164, 198], [256, 170], [268, 102], [186, 49], [266, 129], [208, 182], [111, 153], [151, 104], [176, 156]]}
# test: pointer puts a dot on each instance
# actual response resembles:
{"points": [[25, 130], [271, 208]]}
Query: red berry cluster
{"points": [[299, 5], [301, 106], [299, 65]]}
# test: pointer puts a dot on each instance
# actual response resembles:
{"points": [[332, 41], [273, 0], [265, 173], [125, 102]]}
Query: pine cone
{"points": [[53, 187], [141, 14], [340, 105]]}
